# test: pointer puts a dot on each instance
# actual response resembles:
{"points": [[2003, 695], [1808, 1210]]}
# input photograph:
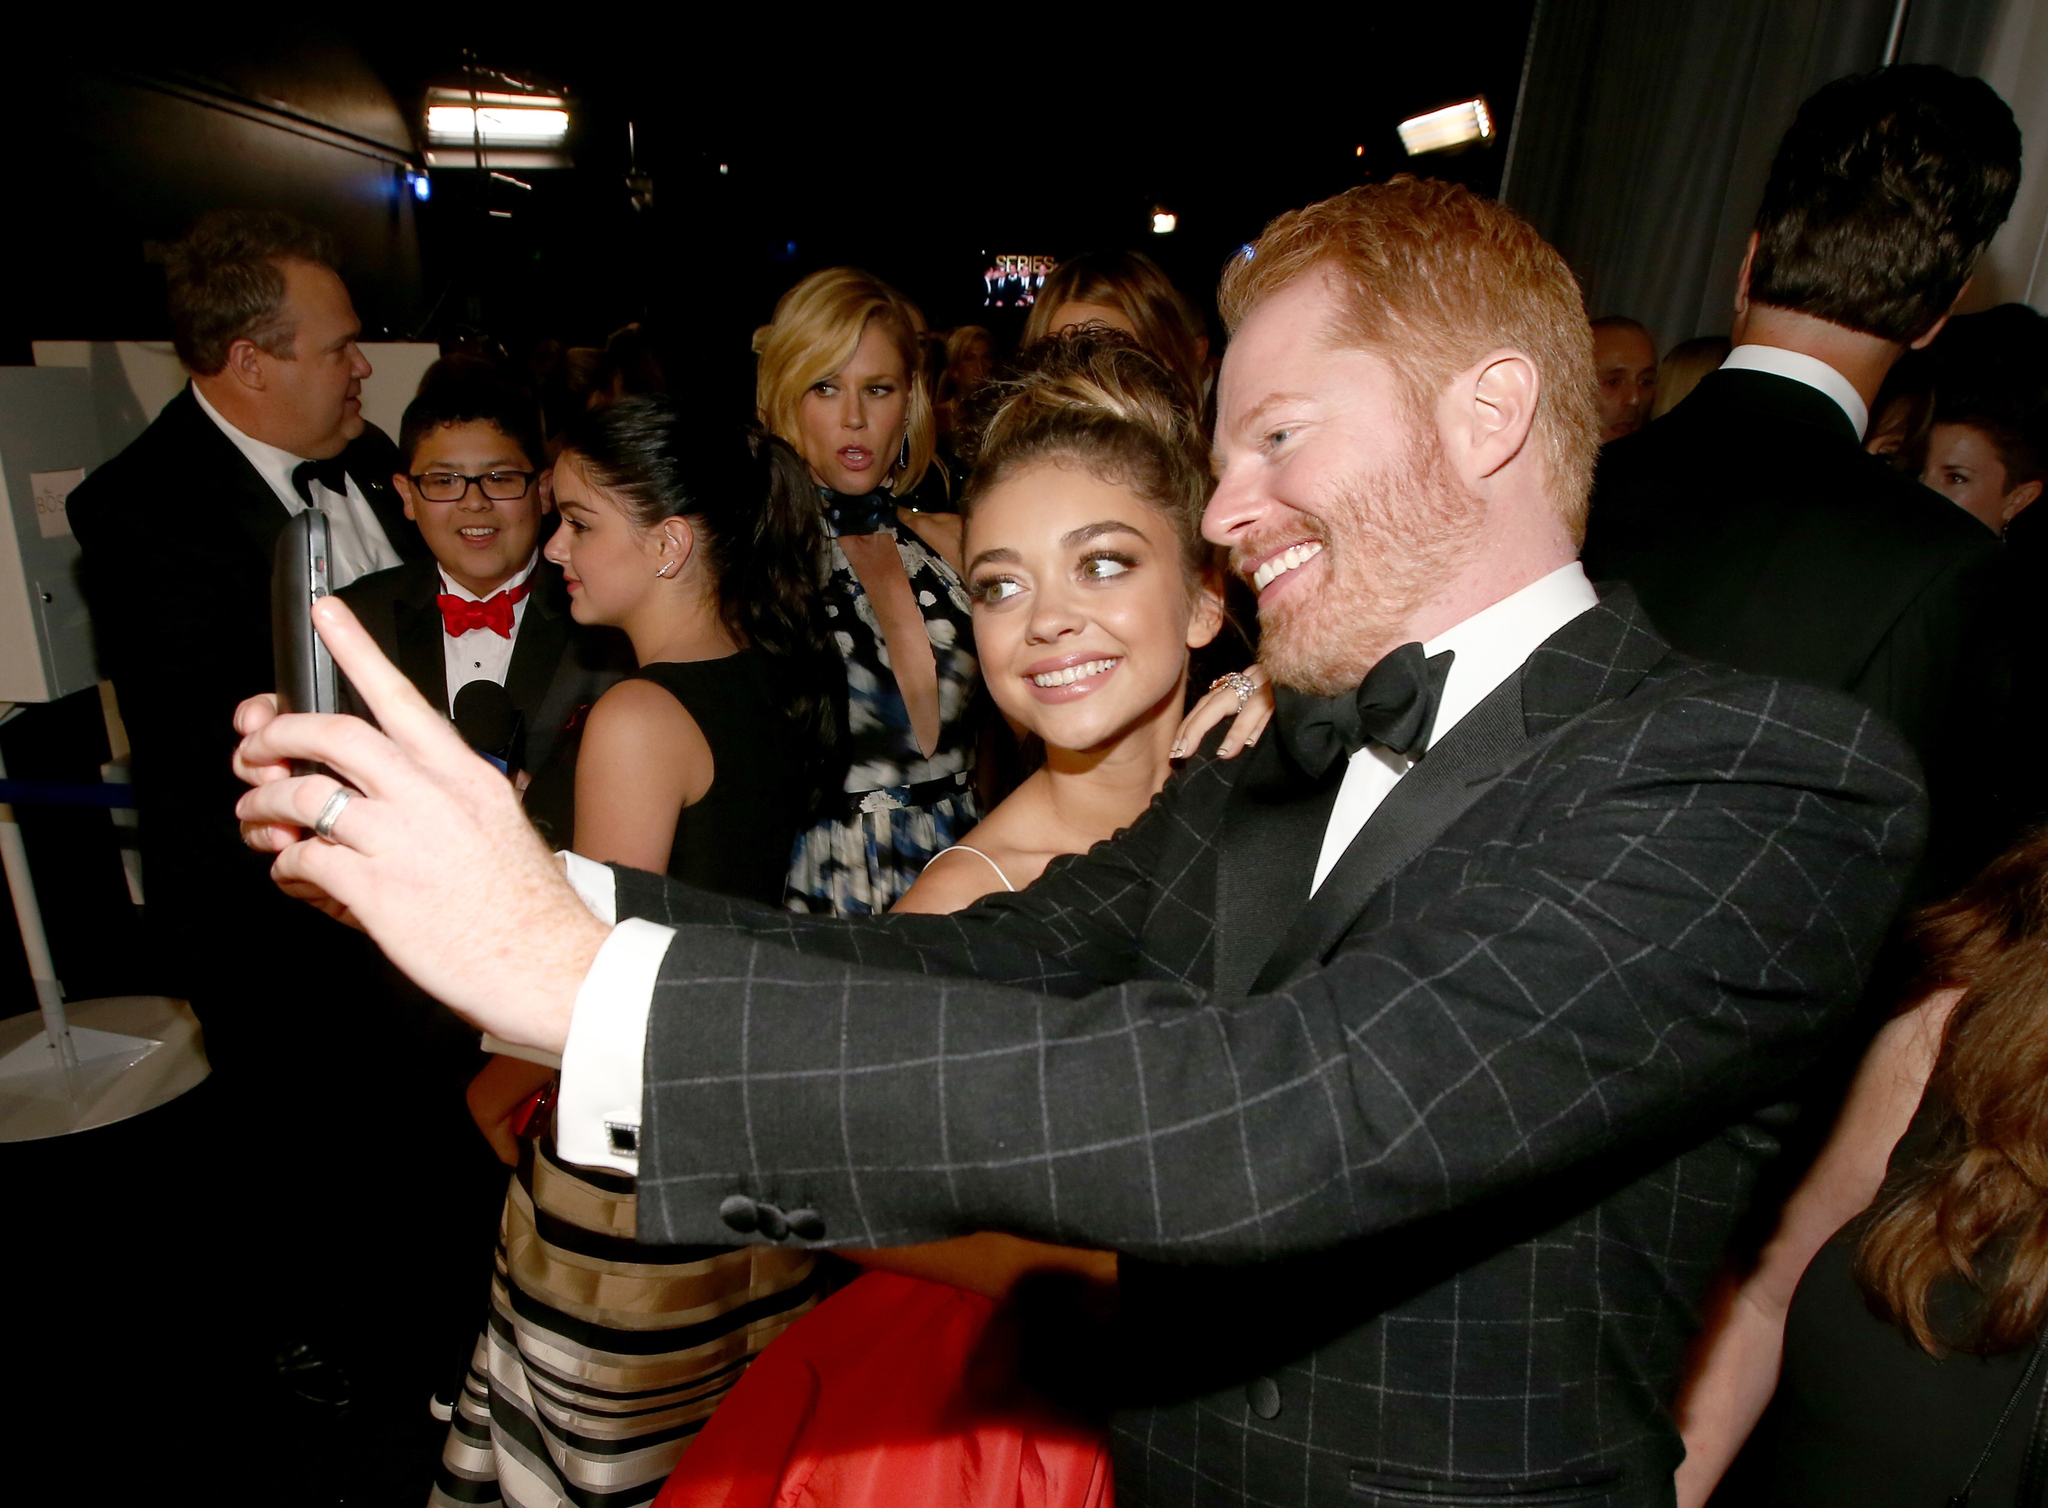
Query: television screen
{"points": [[1012, 282]]}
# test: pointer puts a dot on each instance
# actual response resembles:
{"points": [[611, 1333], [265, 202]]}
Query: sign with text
{"points": [[51, 488], [1013, 281]]}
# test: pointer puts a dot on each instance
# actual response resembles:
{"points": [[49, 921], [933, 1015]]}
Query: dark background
{"points": [[909, 153]]}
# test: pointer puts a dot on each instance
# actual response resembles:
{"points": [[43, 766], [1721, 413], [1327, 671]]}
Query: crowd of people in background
{"points": [[944, 613]]}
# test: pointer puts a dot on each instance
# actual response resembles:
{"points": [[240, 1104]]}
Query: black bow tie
{"points": [[1394, 706], [869, 513], [331, 473]]}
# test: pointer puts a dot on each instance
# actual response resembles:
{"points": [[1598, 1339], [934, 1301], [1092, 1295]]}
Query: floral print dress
{"points": [[899, 807]]}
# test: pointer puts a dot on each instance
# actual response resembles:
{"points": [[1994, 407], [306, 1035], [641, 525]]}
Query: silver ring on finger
{"points": [[1242, 684], [323, 825]]}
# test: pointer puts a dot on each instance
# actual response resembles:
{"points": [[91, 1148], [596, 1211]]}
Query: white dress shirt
{"points": [[480, 655], [1487, 648], [1800, 367], [601, 1062], [360, 545]]}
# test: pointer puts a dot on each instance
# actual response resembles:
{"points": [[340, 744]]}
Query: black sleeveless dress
{"points": [[1863, 1418], [602, 1358], [736, 839]]}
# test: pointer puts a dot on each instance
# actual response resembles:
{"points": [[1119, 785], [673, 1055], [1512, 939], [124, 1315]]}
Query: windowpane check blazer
{"points": [[1417, 1181]]}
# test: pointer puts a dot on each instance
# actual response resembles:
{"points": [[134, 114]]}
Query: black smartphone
{"points": [[299, 577]]}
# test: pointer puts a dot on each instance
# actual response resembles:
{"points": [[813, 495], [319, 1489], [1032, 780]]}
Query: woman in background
{"points": [[841, 380], [1905, 1289], [602, 1358], [1683, 367], [970, 358], [1091, 585], [1127, 291]]}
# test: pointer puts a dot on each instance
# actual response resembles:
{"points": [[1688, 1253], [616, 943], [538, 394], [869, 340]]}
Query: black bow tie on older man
{"points": [[1394, 706], [331, 473]]}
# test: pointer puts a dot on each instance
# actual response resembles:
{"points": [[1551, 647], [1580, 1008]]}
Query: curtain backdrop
{"points": [[1647, 130]]}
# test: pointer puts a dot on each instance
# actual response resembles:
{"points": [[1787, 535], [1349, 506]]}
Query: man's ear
{"points": [[2020, 498], [545, 482], [1206, 621], [404, 485], [1926, 337], [1742, 277], [245, 365], [1492, 406]]}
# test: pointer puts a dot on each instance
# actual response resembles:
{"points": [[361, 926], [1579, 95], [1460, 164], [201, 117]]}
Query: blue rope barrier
{"points": [[66, 793]]}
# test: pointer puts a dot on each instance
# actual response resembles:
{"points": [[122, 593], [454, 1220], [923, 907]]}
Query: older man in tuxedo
{"points": [[1417, 1064], [178, 532]]}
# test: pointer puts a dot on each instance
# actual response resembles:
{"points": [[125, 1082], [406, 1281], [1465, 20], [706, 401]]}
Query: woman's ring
{"points": [[1239, 682], [323, 825]]}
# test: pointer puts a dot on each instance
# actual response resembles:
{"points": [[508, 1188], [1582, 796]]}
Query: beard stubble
{"points": [[1391, 539]]}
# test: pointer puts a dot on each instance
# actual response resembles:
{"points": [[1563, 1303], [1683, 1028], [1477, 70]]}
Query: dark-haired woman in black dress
{"points": [[603, 1358]]}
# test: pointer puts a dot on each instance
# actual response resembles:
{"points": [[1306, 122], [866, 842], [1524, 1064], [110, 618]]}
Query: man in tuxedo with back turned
{"points": [[1749, 520], [178, 534], [1416, 1063]]}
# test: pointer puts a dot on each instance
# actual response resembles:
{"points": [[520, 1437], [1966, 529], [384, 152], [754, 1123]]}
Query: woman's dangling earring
{"points": [[665, 572], [903, 453]]}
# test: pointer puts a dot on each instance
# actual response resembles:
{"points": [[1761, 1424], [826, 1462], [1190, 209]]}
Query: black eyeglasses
{"points": [[452, 486]]}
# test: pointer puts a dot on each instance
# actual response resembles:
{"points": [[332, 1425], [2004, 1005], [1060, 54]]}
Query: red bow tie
{"points": [[460, 615]]}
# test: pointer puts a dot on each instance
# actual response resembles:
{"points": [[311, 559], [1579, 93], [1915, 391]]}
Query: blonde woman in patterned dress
{"points": [[841, 380]]}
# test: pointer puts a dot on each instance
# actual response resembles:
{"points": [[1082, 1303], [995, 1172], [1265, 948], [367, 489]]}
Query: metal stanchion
{"points": [[91, 1062]]}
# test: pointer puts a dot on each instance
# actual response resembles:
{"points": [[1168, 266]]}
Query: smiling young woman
{"points": [[1091, 585]]}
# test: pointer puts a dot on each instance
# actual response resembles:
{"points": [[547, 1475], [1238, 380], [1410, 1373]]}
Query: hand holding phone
{"points": [[300, 576]]}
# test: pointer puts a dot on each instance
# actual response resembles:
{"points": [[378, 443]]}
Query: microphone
{"points": [[490, 724]]}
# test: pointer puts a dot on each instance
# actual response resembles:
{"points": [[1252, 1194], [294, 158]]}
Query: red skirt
{"points": [[893, 1391]]}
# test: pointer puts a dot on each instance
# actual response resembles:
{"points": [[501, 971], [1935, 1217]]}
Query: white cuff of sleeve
{"points": [[594, 883], [597, 1118], [598, 888]]}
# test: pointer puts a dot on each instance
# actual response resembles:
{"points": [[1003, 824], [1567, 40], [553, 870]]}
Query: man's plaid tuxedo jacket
{"points": [[1417, 1181]]}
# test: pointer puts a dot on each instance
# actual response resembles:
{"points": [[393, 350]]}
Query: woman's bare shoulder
{"points": [[637, 723], [952, 881]]}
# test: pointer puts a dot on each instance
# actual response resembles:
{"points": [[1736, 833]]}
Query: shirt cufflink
{"points": [[597, 1118]]}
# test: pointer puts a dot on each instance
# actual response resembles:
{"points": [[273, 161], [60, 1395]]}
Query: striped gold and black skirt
{"points": [[602, 1358]]}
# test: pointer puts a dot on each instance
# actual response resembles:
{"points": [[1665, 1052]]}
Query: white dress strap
{"points": [[963, 848]]}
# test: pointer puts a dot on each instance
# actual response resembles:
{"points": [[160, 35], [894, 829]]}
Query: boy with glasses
{"points": [[485, 607]]}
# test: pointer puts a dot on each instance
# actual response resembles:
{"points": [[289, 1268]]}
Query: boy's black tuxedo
{"points": [[1757, 533], [557, 664], [1417, 1181]]}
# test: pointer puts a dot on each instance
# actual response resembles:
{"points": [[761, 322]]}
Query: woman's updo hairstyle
{"points": [[752, 506], [1093, 398]]}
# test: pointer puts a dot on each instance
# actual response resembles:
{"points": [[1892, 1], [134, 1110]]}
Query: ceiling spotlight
{"points": [[1164, 221], [1448, 129], [1358, 151], [462, 117]]}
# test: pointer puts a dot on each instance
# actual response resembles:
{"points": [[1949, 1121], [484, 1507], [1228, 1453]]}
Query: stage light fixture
{"points": [[460, 117], [1447, 129], [422, 188], [1164, 221], [1358, 151]]}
